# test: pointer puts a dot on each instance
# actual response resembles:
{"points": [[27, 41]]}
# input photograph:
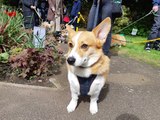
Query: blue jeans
{"points": [[105, 10]]}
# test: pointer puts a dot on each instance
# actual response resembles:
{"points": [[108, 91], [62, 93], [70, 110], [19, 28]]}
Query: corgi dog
{"points": [[50, 27], [118, 40], [87, 65]]}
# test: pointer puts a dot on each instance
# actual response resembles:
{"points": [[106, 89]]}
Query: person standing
{"points": [[98, 12], [30, 17], [156, 25], [55, 14], [51, 10], [74, 12]]}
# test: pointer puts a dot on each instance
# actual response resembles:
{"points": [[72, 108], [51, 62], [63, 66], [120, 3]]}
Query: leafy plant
{"points": [[15, 51], [132, 18], [11, 31], [35, 62], [4, 57], [123, 21]]}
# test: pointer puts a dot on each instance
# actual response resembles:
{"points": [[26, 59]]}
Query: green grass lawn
{"points": [[136, 51]]}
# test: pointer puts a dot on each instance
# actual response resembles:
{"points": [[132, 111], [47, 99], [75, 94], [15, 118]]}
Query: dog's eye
{"points": [[70, 45], [84, 46]]}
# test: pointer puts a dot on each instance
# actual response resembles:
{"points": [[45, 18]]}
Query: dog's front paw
{"points": [[93, 108], [72, 106]]}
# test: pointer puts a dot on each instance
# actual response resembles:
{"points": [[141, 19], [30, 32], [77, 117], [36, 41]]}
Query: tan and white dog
{"points": [[85, 58], [118, 39]]}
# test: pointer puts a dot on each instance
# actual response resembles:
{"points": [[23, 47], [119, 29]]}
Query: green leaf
{"points": [[4, 57]]}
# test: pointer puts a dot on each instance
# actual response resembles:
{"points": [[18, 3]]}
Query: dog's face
{"points": [[85, 48]]}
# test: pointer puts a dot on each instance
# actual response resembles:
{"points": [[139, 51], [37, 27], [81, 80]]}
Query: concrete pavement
{"points": [[132, 93]]}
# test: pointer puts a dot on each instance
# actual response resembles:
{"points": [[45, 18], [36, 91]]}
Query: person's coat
{"points": [[156, 2], [28, 13], [76, 8], [51, 13]]}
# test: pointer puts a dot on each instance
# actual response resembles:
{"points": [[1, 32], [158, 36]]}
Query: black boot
{"points": [[148, 46]]}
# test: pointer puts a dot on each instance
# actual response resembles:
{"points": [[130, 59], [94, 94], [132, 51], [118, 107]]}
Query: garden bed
{"points": [[7, 75], [21, 61]]}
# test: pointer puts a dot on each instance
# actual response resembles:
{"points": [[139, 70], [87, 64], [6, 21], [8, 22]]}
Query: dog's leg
{"points": [[75, 91], [94, 92]]}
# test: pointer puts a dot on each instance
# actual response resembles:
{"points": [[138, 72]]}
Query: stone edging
{"points": [[54, 81]]}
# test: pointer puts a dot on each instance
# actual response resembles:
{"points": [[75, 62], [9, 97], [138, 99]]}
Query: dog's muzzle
{"points": [[71, 60]]}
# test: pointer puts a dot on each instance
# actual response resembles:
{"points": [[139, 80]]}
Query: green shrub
{"points": [[12, 32], [132, 19], [123, 21]]}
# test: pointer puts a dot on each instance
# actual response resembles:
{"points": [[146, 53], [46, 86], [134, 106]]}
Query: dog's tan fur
{"points": [[50, 27], [118, 40]]}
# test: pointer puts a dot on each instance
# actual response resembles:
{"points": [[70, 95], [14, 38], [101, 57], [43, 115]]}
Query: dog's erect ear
{"points": [[71, 31], [101, 31]]}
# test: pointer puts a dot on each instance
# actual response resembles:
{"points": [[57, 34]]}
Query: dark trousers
{"points": [[74, 22], [44, 9], [105, 10], [155, 27]]}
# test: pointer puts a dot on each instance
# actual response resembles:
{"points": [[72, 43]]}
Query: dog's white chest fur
{"points": [[82, 72]]}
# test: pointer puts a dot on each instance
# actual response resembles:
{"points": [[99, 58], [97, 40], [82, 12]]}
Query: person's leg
{"points": [[154, 30], [75, 24], [106, 12], [42, 9], [28, 19], [91, 16], [58, 16], [57, 32], [36, 20]]}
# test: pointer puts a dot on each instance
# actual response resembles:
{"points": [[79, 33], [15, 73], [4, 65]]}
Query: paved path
{"points": [[132, 93]]}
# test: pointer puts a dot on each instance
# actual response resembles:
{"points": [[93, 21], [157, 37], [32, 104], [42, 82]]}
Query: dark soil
{"points": [[7, 75]]}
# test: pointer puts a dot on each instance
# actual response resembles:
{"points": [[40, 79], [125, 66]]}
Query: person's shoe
{"points": [[148, 46]]}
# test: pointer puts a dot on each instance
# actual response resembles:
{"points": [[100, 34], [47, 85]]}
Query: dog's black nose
{"points": [[71, 60]]}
